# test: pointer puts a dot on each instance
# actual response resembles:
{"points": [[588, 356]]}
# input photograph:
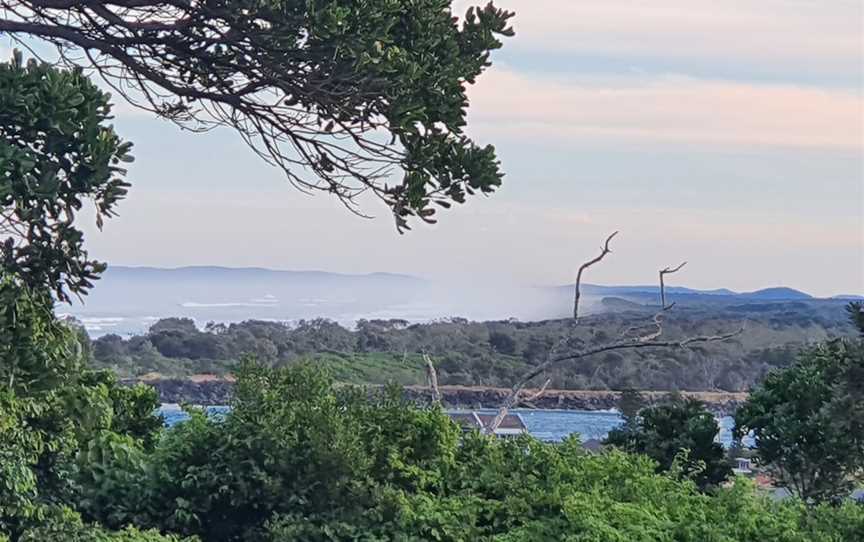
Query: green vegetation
{"points": [[298, 458], [679, 436], [58, 423], [808, 421], [55, 152], [344, 96], [489, 353], [403, 370], [856, 315]]}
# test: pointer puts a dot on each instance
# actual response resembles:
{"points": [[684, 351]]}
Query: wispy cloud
{"points": [[665, 109], [811, 35]]}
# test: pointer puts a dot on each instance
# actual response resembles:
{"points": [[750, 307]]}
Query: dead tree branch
{"points": [[663, 272], [432, 380], [603, 252], [657, 319], [536, 395], [635, 343], [502, 412]]}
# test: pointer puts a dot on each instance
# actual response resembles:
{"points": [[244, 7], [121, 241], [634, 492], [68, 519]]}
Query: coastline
{"points": [[209, 390]]}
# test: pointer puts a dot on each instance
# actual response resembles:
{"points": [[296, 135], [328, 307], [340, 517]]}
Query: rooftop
{"points": [[512, 424]]}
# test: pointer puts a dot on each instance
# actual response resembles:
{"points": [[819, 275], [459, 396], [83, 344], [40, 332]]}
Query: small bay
{"points": [[547, 425]]}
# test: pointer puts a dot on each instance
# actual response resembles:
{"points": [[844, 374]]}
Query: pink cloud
{"points": [[665, 109]]}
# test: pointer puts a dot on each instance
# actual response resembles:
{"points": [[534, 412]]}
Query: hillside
{"points": [[494, 353]]}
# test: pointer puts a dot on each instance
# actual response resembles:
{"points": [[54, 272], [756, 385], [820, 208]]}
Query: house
{"points": [[743, 466], [511, 426]]}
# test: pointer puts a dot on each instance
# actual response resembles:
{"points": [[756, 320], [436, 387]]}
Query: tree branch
{"points": [[603, 252], [312, 107], [536, 395], [513, 397], [432, 380], [663, 272]]}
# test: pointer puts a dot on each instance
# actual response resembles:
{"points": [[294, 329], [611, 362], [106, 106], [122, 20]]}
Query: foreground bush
{"points": [[297, 459], [808, 421]]}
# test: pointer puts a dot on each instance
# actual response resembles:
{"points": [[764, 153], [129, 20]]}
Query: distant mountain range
{"points": [[129, 299], [218, 273], [212, 272], [766, 294]]}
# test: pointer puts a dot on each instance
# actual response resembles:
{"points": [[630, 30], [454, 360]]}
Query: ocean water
{"points": [[547, 425]]}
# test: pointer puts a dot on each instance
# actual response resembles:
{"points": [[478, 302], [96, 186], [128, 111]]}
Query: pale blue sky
{"points": [[726, 134]]}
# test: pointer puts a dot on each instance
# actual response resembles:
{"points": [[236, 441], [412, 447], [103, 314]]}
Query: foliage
{"points": [[36, 352], [630, 403], [52, 409], [299, 459], [55, 151], [808, 421], [679, 435], [855, 309], [476, 353], [338, 94]]}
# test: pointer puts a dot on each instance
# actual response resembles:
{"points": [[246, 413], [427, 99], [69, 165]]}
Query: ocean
{"points": [[547, 425]]}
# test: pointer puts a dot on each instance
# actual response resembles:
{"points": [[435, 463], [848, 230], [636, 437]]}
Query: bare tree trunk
{"points": [[432, 380], [603, 252], [638, 340], [664, 272]]}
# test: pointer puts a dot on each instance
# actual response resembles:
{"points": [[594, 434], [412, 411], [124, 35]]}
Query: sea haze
{"points": [[129, 299]]}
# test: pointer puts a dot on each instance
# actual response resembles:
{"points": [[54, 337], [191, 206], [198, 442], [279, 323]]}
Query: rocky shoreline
{"points": [[217, 391]]}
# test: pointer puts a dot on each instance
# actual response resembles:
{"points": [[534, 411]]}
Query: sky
{"points": [[727, 134]]}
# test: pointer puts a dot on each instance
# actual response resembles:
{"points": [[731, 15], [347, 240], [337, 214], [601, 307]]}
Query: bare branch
{"points": [[663, 273], [536, 395], [603, 252], [627, 344], [432, 380]]}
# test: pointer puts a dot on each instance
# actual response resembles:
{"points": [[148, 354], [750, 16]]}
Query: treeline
{"points": [[487, 353]]}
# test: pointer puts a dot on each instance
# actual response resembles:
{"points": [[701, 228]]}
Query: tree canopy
{"points": [[341, 95], [298, 458], [855, 310], [677, 435], [492, 353], [808, 421], [58, 422], [56, 152]]}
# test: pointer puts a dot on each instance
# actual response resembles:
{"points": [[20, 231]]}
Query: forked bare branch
{"points": [[657, 319], [502, 412], [627, 344], [663, 272], [603, 252]]}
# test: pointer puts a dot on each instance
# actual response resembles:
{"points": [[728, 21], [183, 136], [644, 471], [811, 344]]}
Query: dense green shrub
{"points": [[679, 435], [298, 458], [808, 421]]}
